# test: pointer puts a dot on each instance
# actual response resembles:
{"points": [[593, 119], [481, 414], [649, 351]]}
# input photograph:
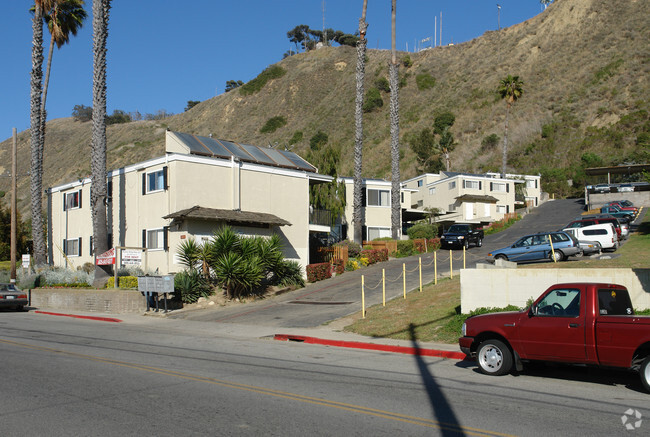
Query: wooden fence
{"points": [[327, 254], [390, 245]]}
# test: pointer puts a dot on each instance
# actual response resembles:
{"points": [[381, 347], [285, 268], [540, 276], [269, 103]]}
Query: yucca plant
{"points": [[237, 274], [191, 285]]}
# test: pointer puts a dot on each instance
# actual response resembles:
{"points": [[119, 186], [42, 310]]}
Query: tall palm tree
{"points": [[36, 167], [357, 217], [510, 89], [98, 155], [396, 206], [64, 17]]}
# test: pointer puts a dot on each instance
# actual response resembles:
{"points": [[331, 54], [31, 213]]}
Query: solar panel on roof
{"points": [[298, 161], [279, 158], [215, 148], [194, 145], [259, 154], [236, 150]]}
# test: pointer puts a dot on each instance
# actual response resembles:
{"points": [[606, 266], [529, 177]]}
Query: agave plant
{"points": [[237, 274]]}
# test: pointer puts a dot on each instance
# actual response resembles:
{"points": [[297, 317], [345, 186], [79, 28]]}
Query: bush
{"points": [[352, 265], [82, 113], [255, 85], [273, 124], [405, 248], [59, 277], [319, 139], [123, 282], [373, 100], [354, 248], [489, 142], [407, 62], [456, 322], [191, 285], [318, 272], [425, 81], [382, 84], [291, 274], [422, 230], [339, 266], [374, 255]]}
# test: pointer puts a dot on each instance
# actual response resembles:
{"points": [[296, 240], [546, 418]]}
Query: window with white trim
{"points": [[72, 200], [472, 185], [374, 233], [452, 185], [501, 209], [72, 247], [378, 197], [155, 181], [531, 183], [420, 182], [498, 186], [432, 191], [155, 239]]}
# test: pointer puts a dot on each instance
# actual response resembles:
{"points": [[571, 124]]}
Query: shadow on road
{"points": [[442, 410]]}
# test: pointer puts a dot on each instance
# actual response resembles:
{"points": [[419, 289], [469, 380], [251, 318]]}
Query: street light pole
{"points": [[499, 16]]}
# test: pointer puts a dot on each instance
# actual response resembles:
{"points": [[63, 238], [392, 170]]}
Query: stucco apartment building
{"points": [[376, 209], [473, 198], [200, 184]]}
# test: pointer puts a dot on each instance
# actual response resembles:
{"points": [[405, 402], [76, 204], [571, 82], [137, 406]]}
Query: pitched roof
{"points": [[477, 198], [228, 215]]}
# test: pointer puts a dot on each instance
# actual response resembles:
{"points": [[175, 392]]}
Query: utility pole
{"points": [[435, 31], [440, 42], [324, 32], [13, 205]]}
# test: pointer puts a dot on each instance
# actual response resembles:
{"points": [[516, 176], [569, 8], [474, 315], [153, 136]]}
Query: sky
{"points": [[163, 53]]}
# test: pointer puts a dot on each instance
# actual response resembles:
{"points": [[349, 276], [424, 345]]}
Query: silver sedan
{"points": [[12, 297]]}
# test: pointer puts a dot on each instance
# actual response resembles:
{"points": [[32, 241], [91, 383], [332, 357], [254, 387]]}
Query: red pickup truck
{"points": [[582, 323]]}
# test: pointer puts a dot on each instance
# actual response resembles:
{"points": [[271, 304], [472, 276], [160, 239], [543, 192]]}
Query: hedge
{"points": [[318, 272], [123, 282]]}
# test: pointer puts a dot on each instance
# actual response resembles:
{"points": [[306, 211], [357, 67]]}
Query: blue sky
{"points": [[163, 53]]}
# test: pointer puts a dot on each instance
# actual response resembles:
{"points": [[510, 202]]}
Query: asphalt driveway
{"points": [[340, 296]]}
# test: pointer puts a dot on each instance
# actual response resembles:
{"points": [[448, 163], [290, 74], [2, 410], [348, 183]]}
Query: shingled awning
{"points": [[228, 216], [477, 198]]}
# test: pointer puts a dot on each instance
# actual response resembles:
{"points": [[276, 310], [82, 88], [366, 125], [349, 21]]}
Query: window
{"points": [[497, 186], [420, 182], [154, 181], [559, 238], [614, 302], [560, 303], [378, 197], [72, 200], [156, 239], [452, 207], [72, 247], [374, 233], [432, 191], [420, 203], [501, 209], [452, 185], [472, 185], [531, 183]]}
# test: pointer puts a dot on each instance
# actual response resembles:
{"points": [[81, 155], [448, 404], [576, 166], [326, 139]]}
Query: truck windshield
{"points": [[457, 228], [613, 302]]}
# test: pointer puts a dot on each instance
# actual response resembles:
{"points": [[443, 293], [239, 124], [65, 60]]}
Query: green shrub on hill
{"points": [[255, 85]]}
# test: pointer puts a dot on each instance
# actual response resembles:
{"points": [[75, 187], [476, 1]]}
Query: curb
{"points": [[101, 319], [373, 346]]}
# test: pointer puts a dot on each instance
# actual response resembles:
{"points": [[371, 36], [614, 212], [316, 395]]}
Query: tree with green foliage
{"points": [[424, 147], [330, 196], [118, 117], [373, 100], [319, 140], [489, 142], [273, 124], [446, 145], [82, 113], [442, 121], [357, 208], [191, 104], [22, 234], [232, 84], [510, 89]]}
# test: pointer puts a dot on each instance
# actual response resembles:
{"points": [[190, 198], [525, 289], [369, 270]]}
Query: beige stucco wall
{"points": [[496, 287]]}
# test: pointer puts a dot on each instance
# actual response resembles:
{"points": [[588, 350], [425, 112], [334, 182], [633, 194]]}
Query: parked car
{"points": [[618, 204], [602, 188], [614, 211], [580, 323], [537, 247], [12, 297], [461, 235], [622, 229], [604, 234], [625, 188]]}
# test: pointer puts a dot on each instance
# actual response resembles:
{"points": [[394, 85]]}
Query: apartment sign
{"points": [[107, 258], [131, 257]]}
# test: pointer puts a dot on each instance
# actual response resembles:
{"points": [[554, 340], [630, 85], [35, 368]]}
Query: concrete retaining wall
{"points": [[638, 198], [502, 287], [92, 301]]}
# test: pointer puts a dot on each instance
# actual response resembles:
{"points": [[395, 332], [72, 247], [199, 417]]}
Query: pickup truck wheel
{"points": [[466, 244], [644, 371], [479, 242], [494, 358]]}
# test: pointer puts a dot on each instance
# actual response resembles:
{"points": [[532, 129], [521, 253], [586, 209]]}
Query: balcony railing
{"points": [[320, 217]]}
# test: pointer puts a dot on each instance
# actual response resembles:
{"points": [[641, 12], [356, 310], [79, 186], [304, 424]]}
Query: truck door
{"points": [[555, 328]]}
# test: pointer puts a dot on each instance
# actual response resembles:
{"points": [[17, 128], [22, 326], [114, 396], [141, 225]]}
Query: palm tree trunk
{"points": [[396, 206], [46, 83], [357, 212], [98, 156], [38, 234], [504, 158]]}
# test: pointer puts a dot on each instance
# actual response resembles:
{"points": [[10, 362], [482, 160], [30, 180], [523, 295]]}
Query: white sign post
{"points": [[26, 261], [131, 257]]}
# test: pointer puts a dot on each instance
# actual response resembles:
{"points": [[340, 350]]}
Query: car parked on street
{"points": [[538, 247], [623, 207], [12, 297]]}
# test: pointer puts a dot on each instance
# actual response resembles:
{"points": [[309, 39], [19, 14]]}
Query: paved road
{"points": [[324, 301], [147, 376]]}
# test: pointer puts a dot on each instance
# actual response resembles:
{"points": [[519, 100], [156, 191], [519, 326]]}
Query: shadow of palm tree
{"points": [[442, 410]]}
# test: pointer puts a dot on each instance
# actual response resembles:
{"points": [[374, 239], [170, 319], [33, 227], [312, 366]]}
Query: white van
{"points": [[604, 234]]}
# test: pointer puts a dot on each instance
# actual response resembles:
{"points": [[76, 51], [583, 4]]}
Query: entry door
{"points": [[469, 211], [557, 330]]}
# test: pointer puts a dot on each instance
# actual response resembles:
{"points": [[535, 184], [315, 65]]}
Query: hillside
{"points": [[585, 69]]}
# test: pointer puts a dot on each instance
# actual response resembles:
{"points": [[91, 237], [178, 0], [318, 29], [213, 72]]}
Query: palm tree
{"points": [[98, 154], [510, 89], [36, 83], [396, 207], [357, 218]]}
